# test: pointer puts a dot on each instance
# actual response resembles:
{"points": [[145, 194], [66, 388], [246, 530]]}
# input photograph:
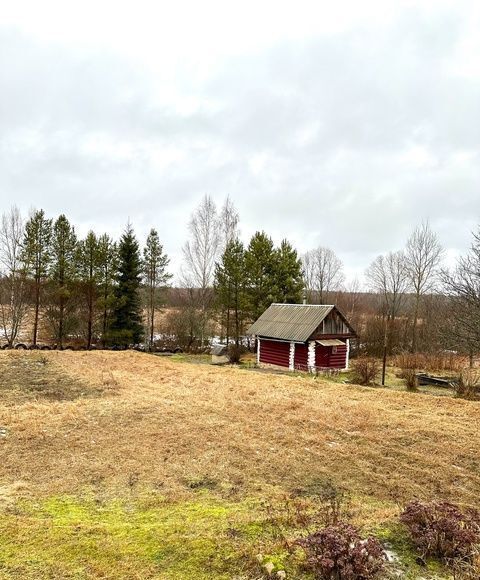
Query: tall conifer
{"points": [[155, 263], [36, 257], [127, 327], [62, 275]]}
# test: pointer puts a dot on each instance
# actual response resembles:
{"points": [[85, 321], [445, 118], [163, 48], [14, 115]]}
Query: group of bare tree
{"points": [[323, 274], [412, 303], [210, 231], [462, 285], [13, 302], [422, 306]]}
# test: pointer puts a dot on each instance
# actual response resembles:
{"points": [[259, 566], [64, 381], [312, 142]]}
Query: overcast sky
{"points": [[341, 124]]}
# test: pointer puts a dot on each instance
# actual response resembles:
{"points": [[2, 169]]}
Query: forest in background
{"points": [[58, 289]]}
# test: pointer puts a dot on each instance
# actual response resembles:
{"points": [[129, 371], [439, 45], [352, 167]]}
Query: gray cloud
{"points": [[347, 140]]}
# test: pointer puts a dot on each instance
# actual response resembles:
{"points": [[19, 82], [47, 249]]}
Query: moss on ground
{"points": [[78, 538], [204, 537]]}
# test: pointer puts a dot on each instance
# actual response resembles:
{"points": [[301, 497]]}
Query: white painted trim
{"points": [[347, 357], [311, 356], [258, 350], [291, 357]]}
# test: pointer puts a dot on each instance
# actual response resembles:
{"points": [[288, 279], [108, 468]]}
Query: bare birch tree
{"points": [[228, 226], [200, 254], [423, 255], [13, 303], [323, 273], [386, 275], [463, 286]]}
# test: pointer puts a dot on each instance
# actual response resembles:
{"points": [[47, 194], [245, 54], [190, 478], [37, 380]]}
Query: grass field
{"points": [[126, 465]]}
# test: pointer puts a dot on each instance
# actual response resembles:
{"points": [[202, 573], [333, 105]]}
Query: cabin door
{"points": [[322, 356]]}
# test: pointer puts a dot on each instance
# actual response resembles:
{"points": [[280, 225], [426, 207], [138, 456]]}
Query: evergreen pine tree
{"points": [[62, 276], [127, 327], [108, 264], [230, 287], [288, 274], [89, 273], [260, 265], [36, 257], [155, 263]]}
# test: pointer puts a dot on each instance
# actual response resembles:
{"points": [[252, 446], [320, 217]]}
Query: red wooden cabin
{"points": [[304, 337]]}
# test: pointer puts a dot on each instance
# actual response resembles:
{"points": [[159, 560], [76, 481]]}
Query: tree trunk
{"points": [[37, 310], [90, 319], [237, 324], [105, 314], [60, 323], [152, 313], [385, 348], [415, 320], [228, 325]]}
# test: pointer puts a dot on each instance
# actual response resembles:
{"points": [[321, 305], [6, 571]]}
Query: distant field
{"points": [[126, 465]]}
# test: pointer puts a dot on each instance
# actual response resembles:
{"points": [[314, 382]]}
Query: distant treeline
{"points": [[104, 291]]}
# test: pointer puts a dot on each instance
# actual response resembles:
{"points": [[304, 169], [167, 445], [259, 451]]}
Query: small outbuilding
{"points": [[305, 337]]}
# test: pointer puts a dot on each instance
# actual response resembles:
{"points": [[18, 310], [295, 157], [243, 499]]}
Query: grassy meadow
{"points": [[127, 465]]}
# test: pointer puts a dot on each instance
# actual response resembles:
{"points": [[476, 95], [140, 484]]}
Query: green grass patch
{"points": [[192, 358], [147, 536], [66, 537]]}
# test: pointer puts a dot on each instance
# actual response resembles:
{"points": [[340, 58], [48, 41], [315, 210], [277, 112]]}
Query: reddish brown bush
{"points": [[442, 530], [339, 553], [411, 380], [445, 361], [468, 384], [365, 370]]}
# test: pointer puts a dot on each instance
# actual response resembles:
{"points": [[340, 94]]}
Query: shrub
{"points": [[432, 363], [235, 352], [338, 553], [411, 380], [442, 530], [365, 370], [468, 568], [317, 504], [468, 384]]}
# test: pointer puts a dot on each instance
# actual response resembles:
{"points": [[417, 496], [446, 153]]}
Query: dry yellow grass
{"points": [[163, 423]]}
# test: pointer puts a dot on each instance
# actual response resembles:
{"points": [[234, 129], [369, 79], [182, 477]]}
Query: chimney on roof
{"points": [[304, 297]]}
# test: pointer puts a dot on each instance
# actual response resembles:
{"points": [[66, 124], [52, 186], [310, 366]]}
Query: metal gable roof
{"points": [[294, 322]]}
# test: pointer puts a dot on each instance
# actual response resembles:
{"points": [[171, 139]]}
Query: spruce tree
{"points": [[288, 274], [260, 265], [127, 327], [230, 282], [62, 276], [155, 263], [36, 257]]}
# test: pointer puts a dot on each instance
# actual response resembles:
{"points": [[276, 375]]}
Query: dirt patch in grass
{"points": [[28, 377]]}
